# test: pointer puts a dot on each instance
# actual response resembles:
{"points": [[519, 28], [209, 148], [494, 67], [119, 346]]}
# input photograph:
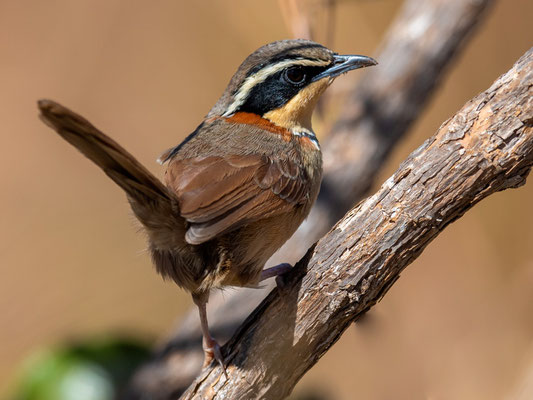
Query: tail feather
{"points": [[153, 204]]}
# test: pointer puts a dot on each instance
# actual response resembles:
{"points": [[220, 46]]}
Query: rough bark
{"points": [[486, 147], [417, 50], [421, 43]]}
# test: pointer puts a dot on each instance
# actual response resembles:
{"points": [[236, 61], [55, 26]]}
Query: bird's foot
{"points": [[281, 282], [278, 271], [212, 352]]}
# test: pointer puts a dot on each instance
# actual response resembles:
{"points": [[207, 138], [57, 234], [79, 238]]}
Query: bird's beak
{"points": [[342, 64]]}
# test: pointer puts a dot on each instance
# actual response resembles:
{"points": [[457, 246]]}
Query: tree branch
{"points": [[412, 60], [486, 147], [417, 50]]}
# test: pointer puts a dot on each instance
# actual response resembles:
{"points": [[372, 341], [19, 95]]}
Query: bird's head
{"points": [[282, 82]]}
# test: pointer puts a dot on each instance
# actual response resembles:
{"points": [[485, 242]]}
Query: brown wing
{"points": [[219, 194]]}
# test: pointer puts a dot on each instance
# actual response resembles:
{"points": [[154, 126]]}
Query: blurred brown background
{"points": [[459, 324]]}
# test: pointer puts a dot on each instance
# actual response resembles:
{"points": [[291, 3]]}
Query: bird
{"points": [[239, 185]]}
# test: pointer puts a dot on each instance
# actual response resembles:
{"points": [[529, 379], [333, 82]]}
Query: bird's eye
{"points": [[295, 75]]}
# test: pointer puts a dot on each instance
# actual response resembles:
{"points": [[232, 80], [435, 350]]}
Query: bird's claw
{"points": [[281, 282], [213, 352]]}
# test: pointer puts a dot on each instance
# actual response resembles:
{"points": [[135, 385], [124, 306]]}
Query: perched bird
{"points": [[239, 185]]}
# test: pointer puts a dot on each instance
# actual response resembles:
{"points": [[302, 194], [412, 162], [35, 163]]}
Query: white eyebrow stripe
{"points": [[260, 76]]}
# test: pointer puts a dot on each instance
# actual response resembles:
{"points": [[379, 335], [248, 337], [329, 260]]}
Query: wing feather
{"points": [[219, 194]]}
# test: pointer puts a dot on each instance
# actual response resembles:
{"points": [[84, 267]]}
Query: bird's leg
{"points": [[277, 271], [210, 346]]}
